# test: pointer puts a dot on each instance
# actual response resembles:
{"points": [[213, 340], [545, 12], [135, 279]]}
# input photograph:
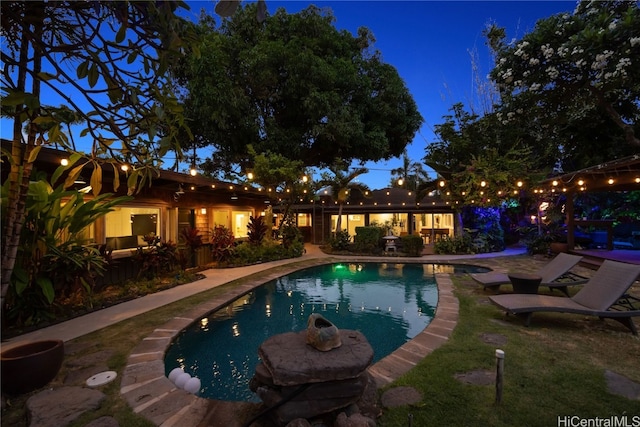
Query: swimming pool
{"points": [[389, 303]]}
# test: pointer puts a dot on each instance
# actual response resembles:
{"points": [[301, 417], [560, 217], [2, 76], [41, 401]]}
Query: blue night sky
{"points": [[428, 42]]}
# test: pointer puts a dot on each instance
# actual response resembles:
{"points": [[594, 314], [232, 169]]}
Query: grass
{"points": [[553, 368]]}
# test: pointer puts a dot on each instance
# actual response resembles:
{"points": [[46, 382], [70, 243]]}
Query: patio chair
{"points": [[555, 274], [604, 295]]}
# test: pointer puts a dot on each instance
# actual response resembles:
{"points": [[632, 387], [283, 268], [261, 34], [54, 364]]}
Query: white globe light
{"points": [[174, 374], [193, 385], [182, 380]]}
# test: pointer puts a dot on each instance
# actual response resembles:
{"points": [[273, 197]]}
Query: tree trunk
{"points": [[627, 129], [339, 221], [21, 167]]}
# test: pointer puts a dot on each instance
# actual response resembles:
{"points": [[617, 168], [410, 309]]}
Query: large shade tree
{"points": [[576, 78], [104, 63], [296, 86]]}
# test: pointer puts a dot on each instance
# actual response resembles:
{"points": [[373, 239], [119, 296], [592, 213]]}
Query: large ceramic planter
{"points": [[30, 366], [558, 247]]}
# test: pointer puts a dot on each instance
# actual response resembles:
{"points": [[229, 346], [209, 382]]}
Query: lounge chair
{"points": [[555, 274], [604, 296]]}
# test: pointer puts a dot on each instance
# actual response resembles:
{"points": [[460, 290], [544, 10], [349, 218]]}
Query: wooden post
{"points": [[499, 373]]}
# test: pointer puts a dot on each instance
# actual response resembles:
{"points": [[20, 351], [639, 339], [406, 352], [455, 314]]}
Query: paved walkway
{"points": [[91, 322]]}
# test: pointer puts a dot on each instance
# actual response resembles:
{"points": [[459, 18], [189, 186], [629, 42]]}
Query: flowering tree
{"points": [[573, 69]]}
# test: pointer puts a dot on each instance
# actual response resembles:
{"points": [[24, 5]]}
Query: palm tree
{"points": [[411, 173], [340, 181]]}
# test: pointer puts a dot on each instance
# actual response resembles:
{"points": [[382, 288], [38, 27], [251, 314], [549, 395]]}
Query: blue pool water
{"points": [[389, 303]]}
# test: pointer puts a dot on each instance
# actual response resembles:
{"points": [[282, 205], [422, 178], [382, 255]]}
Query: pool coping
{"points": [[152, 395]]}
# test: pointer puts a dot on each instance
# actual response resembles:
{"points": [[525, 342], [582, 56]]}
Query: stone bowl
{"points": [[30, 366]]}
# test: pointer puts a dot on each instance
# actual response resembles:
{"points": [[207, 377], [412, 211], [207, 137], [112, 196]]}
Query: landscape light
{"points": [[64, 162]]}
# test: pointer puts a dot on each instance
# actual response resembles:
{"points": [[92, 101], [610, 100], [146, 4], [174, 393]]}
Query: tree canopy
{"points": [[294, 85], [576, 78], [569, 98], [106, 63]]}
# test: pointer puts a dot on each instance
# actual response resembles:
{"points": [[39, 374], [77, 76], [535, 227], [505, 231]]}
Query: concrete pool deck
{"points": [[144, 384]]}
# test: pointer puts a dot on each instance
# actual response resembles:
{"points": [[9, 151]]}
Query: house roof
{"points": [[382, 200], [616, 175], [49, 160]]}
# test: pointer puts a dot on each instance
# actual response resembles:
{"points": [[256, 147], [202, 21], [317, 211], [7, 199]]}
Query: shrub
{"points": [[368, 239], [455, 245], [192, 239], [269, 250], [537, 241], [222, 241], [412, 245], [340, 240], [157, 258], [257, 229]]}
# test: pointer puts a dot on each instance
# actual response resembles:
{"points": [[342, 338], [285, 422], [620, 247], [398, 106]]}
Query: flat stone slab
{"points": [[478, 377], [61, 406], [400, 396], [494, 339], [292, 362], [622, 386]]}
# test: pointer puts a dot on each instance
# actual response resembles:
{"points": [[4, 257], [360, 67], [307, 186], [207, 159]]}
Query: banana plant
{"points": [[53, 234]]}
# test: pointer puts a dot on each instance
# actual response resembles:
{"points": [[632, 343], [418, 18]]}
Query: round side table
{"points": [[524, 283]]}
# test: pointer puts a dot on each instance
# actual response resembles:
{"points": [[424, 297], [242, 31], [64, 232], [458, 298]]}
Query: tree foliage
{"points": [[474, 150], [106, 63], [569, 97], [411, 173], [294, 86], [341, 180], [576, 77]]}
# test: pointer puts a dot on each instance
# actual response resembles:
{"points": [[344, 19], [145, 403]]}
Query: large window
{"points": [[239, 222], [126, 227], [396, 221], [434, 226]]}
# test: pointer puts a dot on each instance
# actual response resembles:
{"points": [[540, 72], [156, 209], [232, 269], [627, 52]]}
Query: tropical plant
{"points": [[462, 244], [340, 240], [291, 236], [257, 230], [411, 173], [53, 258], [192, 239], [412, 245], [119, 90], [157, 258], [341, 182], [73, 271], [222, 243], [368, 239]]}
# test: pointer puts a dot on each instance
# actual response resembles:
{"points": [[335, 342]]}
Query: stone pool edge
{"points": [[152, 395]]}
